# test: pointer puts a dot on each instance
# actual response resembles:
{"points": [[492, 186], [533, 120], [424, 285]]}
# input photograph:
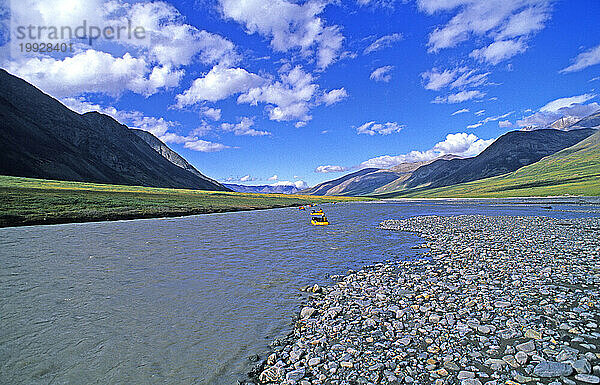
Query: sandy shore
{"points": [[495, 300]]}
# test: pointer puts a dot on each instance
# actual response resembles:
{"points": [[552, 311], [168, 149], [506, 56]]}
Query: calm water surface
{"points": [[184, 300]]}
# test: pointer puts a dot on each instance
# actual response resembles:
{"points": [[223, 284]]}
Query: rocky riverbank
{"points": [[495, 300]]}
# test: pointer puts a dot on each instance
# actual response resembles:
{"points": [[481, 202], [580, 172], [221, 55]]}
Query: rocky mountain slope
{"points": [[41, 138]]}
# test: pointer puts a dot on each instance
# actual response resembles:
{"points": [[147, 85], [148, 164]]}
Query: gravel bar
{"points": [[494, 300]]}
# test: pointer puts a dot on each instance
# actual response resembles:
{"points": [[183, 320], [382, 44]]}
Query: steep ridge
{"points": [[41, 138]]}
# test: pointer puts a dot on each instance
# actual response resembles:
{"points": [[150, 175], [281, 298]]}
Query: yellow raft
{"points": [[318, 218]]}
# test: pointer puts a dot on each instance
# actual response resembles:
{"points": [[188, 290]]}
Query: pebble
{"points": [[493, 300]]}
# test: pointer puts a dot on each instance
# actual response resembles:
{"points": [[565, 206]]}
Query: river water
{"points": [[186, 300]]}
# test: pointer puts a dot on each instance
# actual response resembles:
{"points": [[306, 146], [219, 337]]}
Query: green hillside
{"points": [[26, 201], [572, 171]]}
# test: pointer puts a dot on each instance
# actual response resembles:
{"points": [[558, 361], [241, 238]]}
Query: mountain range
{"points": [[508, 153], [41, 138], [263, 189]]}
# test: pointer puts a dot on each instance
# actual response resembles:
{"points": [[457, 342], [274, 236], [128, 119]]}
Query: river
{"points": [[187, 300]]}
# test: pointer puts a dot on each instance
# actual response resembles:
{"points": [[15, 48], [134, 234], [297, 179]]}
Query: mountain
{"points": [[369, 180], [41, 138], [574, 171], [564, 123], [407, 169], [263, 189], [508, 153], [592, 121], [359, 182]]}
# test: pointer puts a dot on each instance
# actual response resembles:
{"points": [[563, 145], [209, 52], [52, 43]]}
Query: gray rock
{"points": [[552, 369], [295, 375], [526, 347], [588, 378], [307, 312], [582, 366]]}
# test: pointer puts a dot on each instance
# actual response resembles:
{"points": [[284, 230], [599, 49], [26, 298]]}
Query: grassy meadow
{"points": [[26, 201]]}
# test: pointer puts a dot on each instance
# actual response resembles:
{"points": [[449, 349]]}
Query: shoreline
{"points": [[495, 300], [27, 202], [113, 217]]}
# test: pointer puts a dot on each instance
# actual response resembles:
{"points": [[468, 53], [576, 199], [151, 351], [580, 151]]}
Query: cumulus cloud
{"points": [[218, 84], [460, 144], [243, 127], [94, 71], [564, 107], [584, 60], [273, 178], [292, 96], [330, 168], [289, 25], [334, 96], [505, 124], [506, 22], [383, 42], [459, 97], [372, 128], [145, 67], [382, 74], [212, 113]]}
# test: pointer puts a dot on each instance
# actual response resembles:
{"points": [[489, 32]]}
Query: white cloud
{"points": [[218, 84], [584, 60], [489, 119], [334, 96], [372, 128], [245, 178], [244, 127], [497, 20], [143, 66], [330, 168], [291, 97], [94, 71], [504, 124], [383, 42], [459, 97], [436, 80], [300, 184], [382, 74], [459, 77], [289, 26], [273, 178], [499, 51], [557, 104], [460, 144], [461, 111], [212, 113]]}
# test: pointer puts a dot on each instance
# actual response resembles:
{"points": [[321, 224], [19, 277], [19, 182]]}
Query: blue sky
{"points": [[263, 92]]}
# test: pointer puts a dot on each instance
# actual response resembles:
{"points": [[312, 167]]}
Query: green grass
{"points": [[572, 171], [26, 201]]}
